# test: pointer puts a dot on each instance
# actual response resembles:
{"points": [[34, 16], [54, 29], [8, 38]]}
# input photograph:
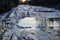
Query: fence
{"points": [[44, 23], [7, 22]]}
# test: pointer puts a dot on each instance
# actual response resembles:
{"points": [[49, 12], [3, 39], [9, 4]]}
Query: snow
{"points": [[28, 21], [19, 31], [35, 11], [25, 34]]}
